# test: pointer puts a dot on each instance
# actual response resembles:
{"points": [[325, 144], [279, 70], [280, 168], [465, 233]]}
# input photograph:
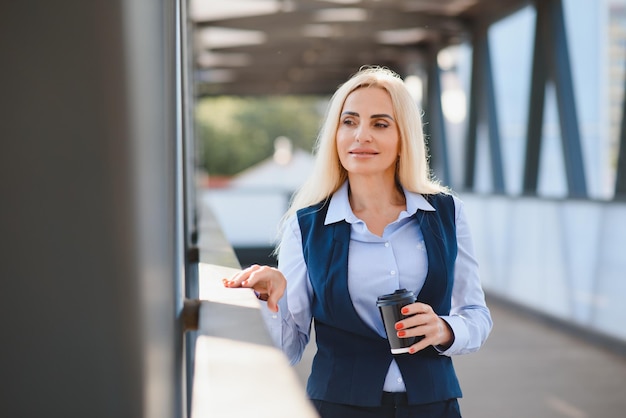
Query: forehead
{"points": [[372, 99]]}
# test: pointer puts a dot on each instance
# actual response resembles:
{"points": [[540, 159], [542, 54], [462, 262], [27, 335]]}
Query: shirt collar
{"points": [[339, 207]]}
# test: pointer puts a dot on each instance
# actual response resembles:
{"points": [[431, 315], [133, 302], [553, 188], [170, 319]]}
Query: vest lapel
{"points": [[339, 302], [437, 280]]}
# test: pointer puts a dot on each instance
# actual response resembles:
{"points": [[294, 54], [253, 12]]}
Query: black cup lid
{"points": [[400, 295]]}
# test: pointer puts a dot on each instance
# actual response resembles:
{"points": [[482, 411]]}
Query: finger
{"points": [[414, 321], [416, 314], [272, 303], [427, 337], [416, 308], [419, 346], [234, 281], [420, 331], [240, 277], [274, 295], [258, 280]]}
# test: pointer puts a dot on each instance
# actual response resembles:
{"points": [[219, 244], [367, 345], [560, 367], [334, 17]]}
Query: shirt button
{"points": [[274, 316], [399, 380], [393, 272], [386, 244]]}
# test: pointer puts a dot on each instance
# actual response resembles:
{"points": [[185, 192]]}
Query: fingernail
{"points": [[399, 325], [401, 333], [405, 311], [411, 350]]}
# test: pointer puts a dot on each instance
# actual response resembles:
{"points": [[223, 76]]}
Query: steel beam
{"points": [[562, 78], [472, 122], [536, 104], [483, 110], [491, 116], [435, 123], [551, 61]]}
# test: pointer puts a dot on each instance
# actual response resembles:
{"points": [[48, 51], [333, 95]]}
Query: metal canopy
{"points": [[249, 47]]}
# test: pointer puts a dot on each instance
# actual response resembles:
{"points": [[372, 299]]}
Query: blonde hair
{"points": [[412, 170]]}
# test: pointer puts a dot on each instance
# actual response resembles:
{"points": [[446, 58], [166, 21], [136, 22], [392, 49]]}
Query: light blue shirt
{"points": [[377, 266]]}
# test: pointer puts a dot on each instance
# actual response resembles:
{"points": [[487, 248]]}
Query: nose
{"points": [[363, 134]]}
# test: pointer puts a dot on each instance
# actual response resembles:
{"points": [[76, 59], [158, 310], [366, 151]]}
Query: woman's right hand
{"points": [[269, 282]]}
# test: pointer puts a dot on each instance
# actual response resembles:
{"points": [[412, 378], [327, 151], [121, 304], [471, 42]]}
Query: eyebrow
{"points": [[376, 116]]}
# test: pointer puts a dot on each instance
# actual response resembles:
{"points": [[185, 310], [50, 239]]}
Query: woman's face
{"points": [[367, 137]]}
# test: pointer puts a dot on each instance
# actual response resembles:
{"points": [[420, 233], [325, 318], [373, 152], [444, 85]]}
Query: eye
{"points": [[381, 125], [348, 121]]}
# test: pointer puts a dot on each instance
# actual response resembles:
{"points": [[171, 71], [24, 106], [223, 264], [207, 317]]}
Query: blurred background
{"points": [[143, 140]]}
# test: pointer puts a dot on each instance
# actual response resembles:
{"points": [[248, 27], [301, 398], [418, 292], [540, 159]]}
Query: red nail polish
{"points": [[411, 350], [401, 333], [405, 311], [399, 325]]}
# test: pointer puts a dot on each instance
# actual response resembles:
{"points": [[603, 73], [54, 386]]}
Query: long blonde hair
{"points": [[412, 170]]}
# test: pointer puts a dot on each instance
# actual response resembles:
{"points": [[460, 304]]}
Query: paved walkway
{"points": [[530, 369]]}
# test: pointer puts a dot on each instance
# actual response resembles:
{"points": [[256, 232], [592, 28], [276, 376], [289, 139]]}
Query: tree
{"points": [[238, 132]]}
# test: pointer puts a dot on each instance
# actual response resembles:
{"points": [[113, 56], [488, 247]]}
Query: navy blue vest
{"points": [[352, 359]]}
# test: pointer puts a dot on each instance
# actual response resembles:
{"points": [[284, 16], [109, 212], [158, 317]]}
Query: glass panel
{"points": [[511, 42]]}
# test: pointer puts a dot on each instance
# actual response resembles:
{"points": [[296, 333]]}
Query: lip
{"points": [[363, 152]]}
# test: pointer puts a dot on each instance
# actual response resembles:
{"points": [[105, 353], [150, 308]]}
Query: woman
{"points": [[370, 221]]}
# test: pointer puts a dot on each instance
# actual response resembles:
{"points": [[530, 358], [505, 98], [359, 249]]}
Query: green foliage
{"points": [[237, 132]]}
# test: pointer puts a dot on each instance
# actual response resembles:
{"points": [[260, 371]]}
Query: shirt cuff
{"points": [[274, 320]]}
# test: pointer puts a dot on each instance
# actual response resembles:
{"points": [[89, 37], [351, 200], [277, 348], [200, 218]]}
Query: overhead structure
{"points": [[270, 47], [252, 47]]}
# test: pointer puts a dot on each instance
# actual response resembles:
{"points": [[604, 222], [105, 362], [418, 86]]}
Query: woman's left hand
{"points": [[424, 322]]}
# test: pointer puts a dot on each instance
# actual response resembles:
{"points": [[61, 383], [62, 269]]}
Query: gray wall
{"points": [[89, 255]]}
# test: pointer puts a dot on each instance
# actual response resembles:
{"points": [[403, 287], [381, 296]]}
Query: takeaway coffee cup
{"points": [[390, 306]]}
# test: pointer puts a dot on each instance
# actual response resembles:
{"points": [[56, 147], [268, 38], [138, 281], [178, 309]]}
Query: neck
{"points": [[367, 193]]}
